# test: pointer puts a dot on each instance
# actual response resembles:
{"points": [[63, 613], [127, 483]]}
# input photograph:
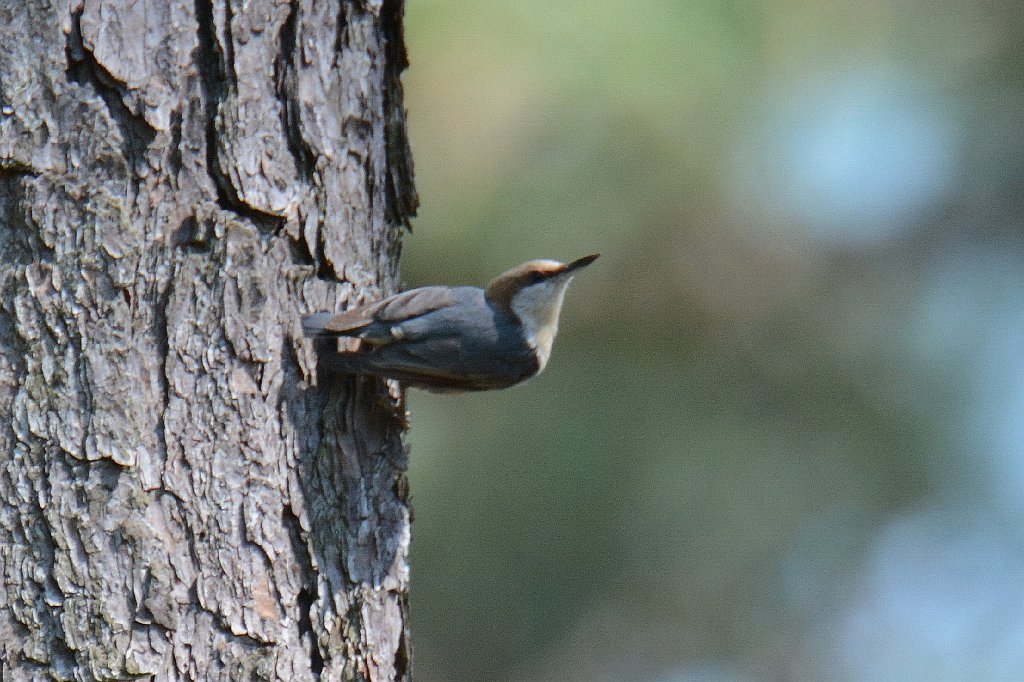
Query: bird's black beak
{"points": [[580, 263]]}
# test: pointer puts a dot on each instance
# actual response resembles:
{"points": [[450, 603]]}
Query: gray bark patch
{"points": [[181, 496]]}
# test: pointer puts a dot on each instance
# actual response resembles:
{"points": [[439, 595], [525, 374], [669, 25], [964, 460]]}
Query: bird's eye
{"points": [[535, 277]]}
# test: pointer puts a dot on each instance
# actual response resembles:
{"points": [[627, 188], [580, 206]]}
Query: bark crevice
{"points": [[402, 200], [85, 70], [286, 83], [305, 597], [216, 79], [163, 350]]}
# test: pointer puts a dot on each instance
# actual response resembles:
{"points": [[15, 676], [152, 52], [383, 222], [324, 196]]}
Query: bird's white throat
{"points": [[538, 306]]}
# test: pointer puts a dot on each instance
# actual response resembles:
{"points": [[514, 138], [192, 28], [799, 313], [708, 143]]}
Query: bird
{"points": [[452, 339]]}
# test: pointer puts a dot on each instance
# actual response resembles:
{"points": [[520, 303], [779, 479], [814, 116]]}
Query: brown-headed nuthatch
{"points": [[453, 338]]}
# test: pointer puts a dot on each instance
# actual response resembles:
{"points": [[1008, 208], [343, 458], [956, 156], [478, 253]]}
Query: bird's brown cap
{"points": [[504, 286]]}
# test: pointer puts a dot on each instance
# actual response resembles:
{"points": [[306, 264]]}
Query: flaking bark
{"points": [[179, 181]]}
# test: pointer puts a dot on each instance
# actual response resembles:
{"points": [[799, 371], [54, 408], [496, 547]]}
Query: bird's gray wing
{"points": [[374, 322]]}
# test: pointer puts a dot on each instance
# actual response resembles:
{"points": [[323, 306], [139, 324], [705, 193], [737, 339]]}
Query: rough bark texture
{"points": [[179, 181]]}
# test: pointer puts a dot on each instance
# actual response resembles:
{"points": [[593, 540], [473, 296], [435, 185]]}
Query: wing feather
{"points": [[392, 310]]}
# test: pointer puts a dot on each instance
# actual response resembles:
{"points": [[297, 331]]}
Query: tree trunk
{"points": [[179, 181]]}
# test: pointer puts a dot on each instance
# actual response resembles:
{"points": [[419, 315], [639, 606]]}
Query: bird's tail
{"points": [[313, 325]]}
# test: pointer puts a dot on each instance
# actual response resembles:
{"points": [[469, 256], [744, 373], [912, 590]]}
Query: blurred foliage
{"points": [[801, 342]]}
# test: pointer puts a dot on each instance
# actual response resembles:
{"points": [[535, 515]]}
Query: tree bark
{"points": [[179, 181]]}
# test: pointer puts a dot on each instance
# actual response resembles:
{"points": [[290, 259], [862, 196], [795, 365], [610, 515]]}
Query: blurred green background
{"points": [[781, 436]]}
